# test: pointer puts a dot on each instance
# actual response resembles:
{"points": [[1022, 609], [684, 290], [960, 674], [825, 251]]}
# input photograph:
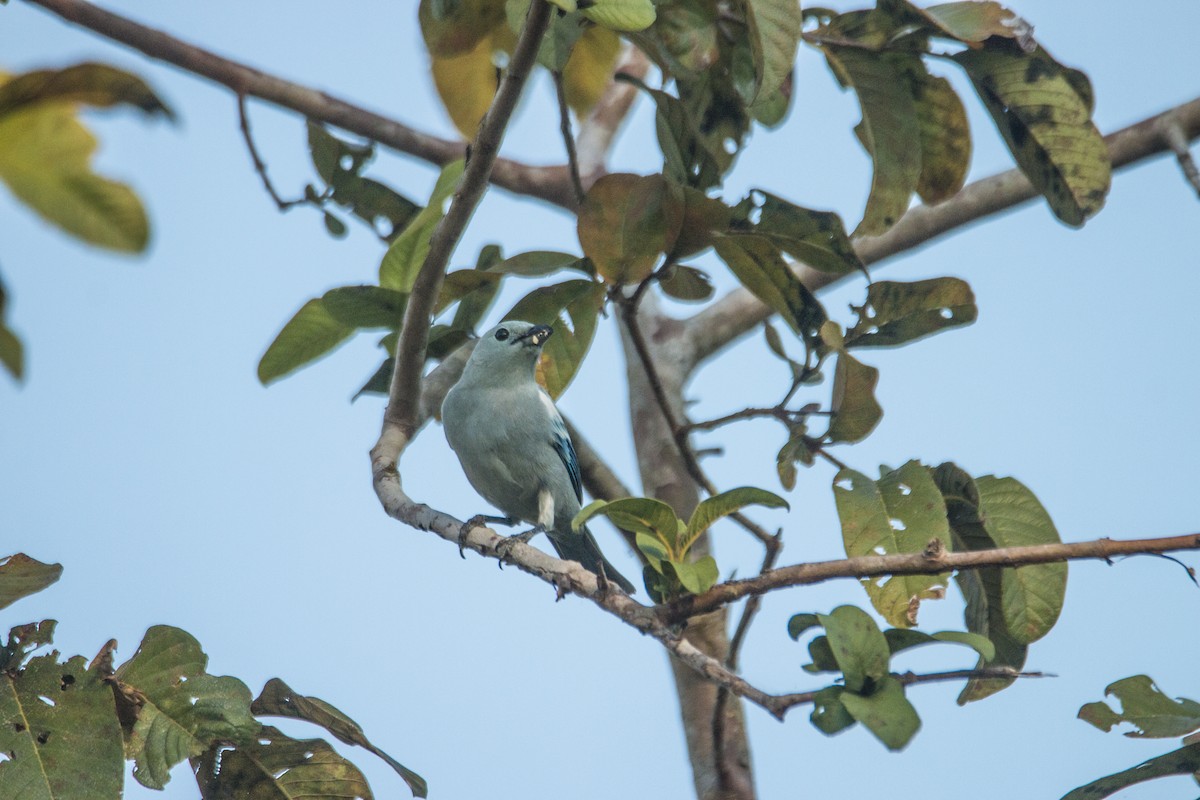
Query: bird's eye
{"points": [[502, 334]]}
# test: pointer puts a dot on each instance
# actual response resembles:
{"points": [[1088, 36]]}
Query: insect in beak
{"points": [[538, 335]]}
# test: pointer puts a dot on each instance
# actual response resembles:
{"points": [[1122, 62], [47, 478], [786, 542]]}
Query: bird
{"points": [[514, 446]]}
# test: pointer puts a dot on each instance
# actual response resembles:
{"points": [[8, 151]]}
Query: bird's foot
{"points": [[475, 522], [505, 544]]}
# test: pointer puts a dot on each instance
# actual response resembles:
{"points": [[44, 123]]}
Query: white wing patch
{"points": [[546, 509]]}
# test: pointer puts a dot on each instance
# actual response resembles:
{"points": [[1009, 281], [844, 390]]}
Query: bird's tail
{"points": [[582, 547]]}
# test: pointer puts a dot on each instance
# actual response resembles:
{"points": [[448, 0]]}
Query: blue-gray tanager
{"points": [[514, 446]]}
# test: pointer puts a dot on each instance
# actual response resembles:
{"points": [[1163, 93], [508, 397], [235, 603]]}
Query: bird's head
{"points": [[510, 345]]}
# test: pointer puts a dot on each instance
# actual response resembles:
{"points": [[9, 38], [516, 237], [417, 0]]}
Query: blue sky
{"points": [[142, 453]]}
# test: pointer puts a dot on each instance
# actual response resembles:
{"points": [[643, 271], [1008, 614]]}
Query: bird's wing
{"points": [[561, 442]]}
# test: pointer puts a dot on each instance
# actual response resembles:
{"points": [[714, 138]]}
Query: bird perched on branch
{"points": [[514, 446]]}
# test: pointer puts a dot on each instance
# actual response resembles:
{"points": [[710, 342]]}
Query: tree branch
{"points": [[736, 313], [930, 562], [403, 409], [259, 166], [564, 127], [551, 183]]}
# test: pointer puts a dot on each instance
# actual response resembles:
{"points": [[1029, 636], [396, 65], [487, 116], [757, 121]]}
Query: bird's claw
{"points": [[506, 543], [475, 522]]}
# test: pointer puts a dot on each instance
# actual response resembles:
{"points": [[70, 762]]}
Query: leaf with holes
{"points": [[280, 700], [21, 576], [406, 254], [889, 131], [273, 765], [758, 264], [173, 709], [1146, 708], [24, 639], [896, 312], [858, 646], [829, 714], [307, 336], [886, 712], [975, 21], [578, 301], [687, 159], [856, 412], [58, 733], [627, 221], [818, 239], [1043, 111], [901, 513]]}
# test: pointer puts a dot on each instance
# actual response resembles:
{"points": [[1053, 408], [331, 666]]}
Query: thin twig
{"points": [[564, 127], [781, 704], [928, 562], [1177, 140], [778, 412], [259, 166]]}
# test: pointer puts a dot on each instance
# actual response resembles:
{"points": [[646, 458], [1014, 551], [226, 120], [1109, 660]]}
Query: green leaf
{"points": [[538, 263], [889, 130], [1033, 594], [886, 713], [703, 217], [858, 645], [571, 308], [89, 83], [1144, 706], [687, 159], [24, 639], [1184, 761], [822, 656], [463, 283], [280, 700], [621, 15], [12, 352], [696, 576], [895, 313], [945, 136], [903, 513], [21, 576], [307, 336], [856, 412], [829, 714], [774, 27], [687, 283], [45, 158], [365, 306], [900, 639], [799, 623], [276, 766], [175, 710], [625, 223], [652, 548], [757, 263], [722, 505], [1043, 111], [406, 255], [796, 449], [816, 238], [59, 734], [638, 515]]}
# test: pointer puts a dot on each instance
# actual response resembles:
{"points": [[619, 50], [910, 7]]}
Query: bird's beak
{"points": [[538, 334]]}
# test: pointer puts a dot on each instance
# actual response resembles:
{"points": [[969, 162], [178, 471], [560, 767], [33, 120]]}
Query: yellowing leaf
{"points": [[587, 71], [945, 137], [45, 155], [1043, 111], [94, 84], [621, 15], [625, 223], [466, 83]]}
